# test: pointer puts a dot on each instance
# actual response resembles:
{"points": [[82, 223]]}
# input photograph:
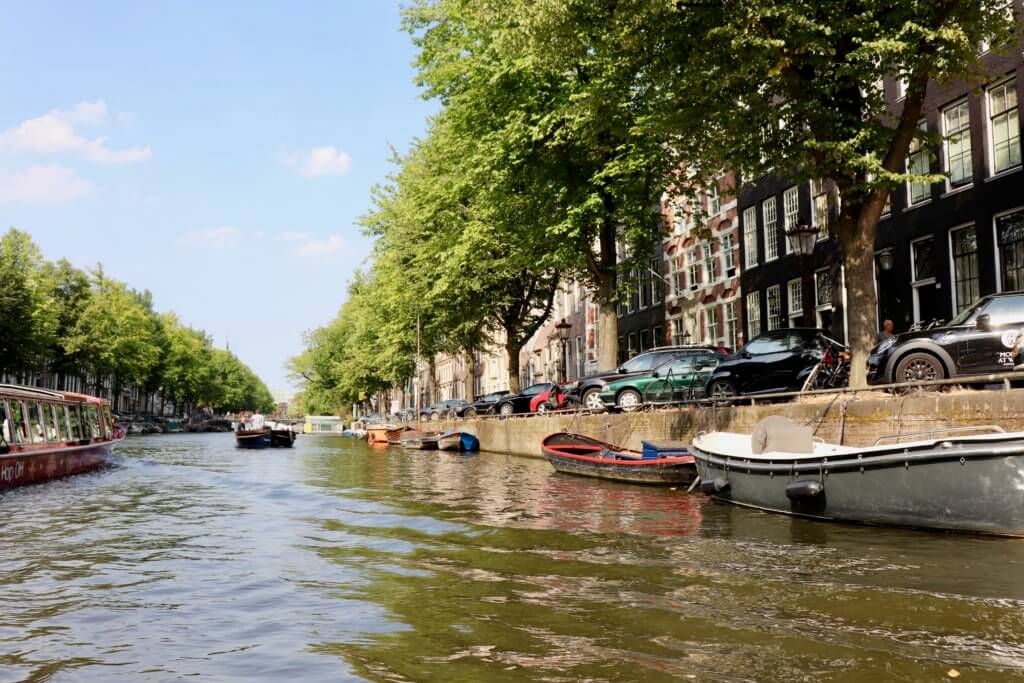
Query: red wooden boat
{"points": [[50, 434], [582, 455]]}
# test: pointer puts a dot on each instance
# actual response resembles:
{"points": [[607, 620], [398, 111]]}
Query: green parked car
{"points": [[679, 379]]}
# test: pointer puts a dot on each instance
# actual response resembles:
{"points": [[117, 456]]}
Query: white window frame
{"points": [[952, 264], [820, 306], [770, 216], [961, 105], [753, 314], [795, 286], [996, 246], [918, 147], [775, 290], [915, 284], [731, 323], [728, 253], [819, 214], [1010, 86], [692, 268], [790, 214], [710, 324], [708, 263], [750, 236], [714, 199]]}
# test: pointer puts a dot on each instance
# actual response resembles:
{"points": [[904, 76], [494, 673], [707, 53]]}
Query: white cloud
{"points": [[325, 247], [321, 161], [220, 237], [54, 133], [292, 236], [49, 183]]}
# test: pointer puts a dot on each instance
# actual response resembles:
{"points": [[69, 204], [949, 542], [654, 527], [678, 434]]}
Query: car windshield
{"points": [[535, 389], [1005, 310], [967, 313], [767, 344], [642, 363]]}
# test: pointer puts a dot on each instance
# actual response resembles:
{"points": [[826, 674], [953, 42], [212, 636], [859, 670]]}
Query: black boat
{"points": [[283, 438]]}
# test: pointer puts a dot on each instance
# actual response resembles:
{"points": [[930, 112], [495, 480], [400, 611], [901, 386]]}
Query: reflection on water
{"points": [[337, 562]]}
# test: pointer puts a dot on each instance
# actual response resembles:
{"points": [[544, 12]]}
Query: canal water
{"points": [[335, 561]]}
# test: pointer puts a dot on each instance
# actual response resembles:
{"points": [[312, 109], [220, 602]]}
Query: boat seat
{"points": [[780, 434]]}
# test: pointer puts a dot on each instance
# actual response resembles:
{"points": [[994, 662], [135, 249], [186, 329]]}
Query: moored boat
{"points": [[395, 435], [49, 434], [957, 482], [253, 438], [458, 441], [418, 440], [378, 434], [582, 455]]}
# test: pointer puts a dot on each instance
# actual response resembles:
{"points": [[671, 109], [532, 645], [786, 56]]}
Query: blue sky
{"points": [[217, 154]]}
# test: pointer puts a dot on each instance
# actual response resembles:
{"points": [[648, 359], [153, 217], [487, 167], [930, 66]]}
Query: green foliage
{"points": [[56, 318]]}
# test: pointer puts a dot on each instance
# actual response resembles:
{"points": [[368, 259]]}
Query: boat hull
{"points": [[253, 438], [420, 444], [377, 435], [964, 487], [282, 438], [24, 468], [458, 441], [583, 456]]}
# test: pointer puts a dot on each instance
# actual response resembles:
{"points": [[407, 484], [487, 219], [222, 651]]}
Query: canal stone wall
{"points": [[851, 420]]}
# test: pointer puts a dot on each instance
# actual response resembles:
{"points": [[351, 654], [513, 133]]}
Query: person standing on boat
{"points": [[256, 421]]}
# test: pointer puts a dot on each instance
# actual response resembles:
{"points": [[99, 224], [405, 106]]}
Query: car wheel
{"points": [[470, 412], [435, 416], [629, 400], [506, 409], [722, 392], [542, 407], [592, 400], [452, 415], [919, 367]]}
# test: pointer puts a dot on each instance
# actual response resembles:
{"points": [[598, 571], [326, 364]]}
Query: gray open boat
{"points": [[957, 482]]}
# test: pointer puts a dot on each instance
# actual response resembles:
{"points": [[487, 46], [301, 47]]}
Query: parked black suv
{"points": [[483, 405], [985, 338], [776, 361], [587, 390]]}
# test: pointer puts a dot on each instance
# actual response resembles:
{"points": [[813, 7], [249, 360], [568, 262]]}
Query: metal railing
{"points": [[906, 388]]}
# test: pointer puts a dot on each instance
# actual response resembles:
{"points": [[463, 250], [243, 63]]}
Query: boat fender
{"points": [[717, 485], [803, 489]]}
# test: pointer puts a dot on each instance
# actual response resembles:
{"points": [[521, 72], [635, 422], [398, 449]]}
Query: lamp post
{"points": [[562, 330], [886, 259], [802, 238]]}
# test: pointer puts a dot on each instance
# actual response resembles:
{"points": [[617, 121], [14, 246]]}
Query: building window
{"points": [[1004, 128], [692, 267], [631, 349], [750, 237], [659, 337], [679, 335], [714, 200], [676, 275], [634, 291], [819, 205], [795, 296], [966, 280], [753, 315], [956, 131], [576, 297], [711, 322], [901, 88], [643, 276], [771, 233], [773, 295], [823, 298], [731, 324], [1010, 235], [922, 269], [728, 255], [709, 263], [656, 282], [790, 212], [645, 340], [917, 164]]}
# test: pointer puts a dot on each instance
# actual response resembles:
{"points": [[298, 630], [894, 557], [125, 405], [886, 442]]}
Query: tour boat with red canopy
{"points": [[582, 455], [48, 434]]}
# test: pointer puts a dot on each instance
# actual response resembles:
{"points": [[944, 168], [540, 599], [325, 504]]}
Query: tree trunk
{"points": [[858, 244], [607, 325], [512, 348], [470, 375]]}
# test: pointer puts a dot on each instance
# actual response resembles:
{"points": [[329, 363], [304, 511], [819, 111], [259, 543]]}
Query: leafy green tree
{"points": [[187, 369], [70, 289], [27, 321]]}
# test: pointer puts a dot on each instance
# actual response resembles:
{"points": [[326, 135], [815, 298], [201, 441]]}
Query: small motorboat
{"points": [[395, 435], [418, 440], [253, 438], [958, 482], [378, 434], [458, 441], [282, 437], [582, 455]]}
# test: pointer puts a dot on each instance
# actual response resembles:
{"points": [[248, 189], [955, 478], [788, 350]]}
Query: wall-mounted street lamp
{"points": [[886, 259], [802, 238]]}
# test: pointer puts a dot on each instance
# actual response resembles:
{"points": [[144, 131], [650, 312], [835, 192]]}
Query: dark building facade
{"points": [[939, 246], [641, 315]]}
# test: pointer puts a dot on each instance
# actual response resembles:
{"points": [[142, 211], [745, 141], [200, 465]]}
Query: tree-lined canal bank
{"points": [[335, 561]]}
